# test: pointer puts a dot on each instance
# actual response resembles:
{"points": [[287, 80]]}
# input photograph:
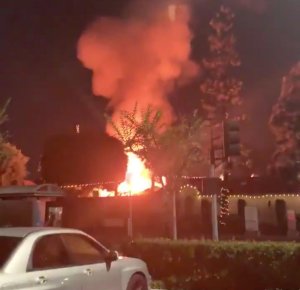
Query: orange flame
{"points": [[138, 177]]}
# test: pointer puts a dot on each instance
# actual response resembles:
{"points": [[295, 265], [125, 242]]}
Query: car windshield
{"points": [[7, 246]]}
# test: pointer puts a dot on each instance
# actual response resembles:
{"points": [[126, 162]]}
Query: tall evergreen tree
{"points": [[221, 89], [285, 125]]}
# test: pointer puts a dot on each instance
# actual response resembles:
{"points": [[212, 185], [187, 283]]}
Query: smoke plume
{"points": [[138, 60]]}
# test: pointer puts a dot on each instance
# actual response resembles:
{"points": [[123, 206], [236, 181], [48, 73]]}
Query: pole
{"points": [[174, 215], [130, 219], [214, 210], [214, 203]]}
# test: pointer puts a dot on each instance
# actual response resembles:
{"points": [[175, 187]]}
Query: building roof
{"points": [[42, 190], [254, 185]]}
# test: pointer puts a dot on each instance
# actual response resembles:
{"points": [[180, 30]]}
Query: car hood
{"points": [[4, 278]]}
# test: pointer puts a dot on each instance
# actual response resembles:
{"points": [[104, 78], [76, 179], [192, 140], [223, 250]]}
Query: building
{"points": [[28, 205]]}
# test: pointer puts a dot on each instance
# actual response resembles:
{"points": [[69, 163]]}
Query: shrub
{"points": [[231, 265]]}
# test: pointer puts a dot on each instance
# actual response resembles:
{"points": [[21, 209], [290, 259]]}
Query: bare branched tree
{"points": [[168, 151]]}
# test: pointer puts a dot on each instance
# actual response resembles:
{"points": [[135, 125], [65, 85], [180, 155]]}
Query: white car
{"points": [[56, 258]]}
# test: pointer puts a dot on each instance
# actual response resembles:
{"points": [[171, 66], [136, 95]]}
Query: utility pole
{"points": [[174, 215], [225, 143], [214, 204], [214, 209], [130, 218]]}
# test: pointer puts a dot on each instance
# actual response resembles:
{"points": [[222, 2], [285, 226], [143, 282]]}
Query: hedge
{"points": [[231, 265]]}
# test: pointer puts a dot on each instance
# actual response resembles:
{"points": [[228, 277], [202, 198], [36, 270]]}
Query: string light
{"points": [[266, 195], [191, 187], [193, 177], [198, 193], [224, 205], [86, 184], [243, 195]]}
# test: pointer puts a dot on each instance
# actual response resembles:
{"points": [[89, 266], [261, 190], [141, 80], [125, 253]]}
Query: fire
{"points": [[138, 177], [112, 49]]}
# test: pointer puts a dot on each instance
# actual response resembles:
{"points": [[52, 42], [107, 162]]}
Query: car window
{"points": [[49, 253], [7, 246], [83, 250]]}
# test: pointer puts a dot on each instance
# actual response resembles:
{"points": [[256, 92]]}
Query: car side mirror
{"points": [[110, 257]]}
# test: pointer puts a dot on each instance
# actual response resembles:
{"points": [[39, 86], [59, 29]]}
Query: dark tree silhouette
{"points": [[12, 161], [285, 125], [83, 158]]}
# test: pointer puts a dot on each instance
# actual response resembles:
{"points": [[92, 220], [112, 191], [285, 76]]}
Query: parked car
{"points": [[69, 259]]}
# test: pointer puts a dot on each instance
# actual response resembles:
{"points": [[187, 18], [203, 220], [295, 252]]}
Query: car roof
{"points": [[21, 232]]}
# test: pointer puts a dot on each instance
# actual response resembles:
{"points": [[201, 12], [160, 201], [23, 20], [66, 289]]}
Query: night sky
{"points": [[50, 91]]}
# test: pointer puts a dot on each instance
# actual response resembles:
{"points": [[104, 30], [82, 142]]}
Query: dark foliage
{"points": [[83, 158], [220, 88], [285, 125], [205, 265]]}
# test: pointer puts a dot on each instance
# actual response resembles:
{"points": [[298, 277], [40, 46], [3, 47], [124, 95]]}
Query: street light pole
{"points": [[214, 203], [174, 215], [130, 219], [214, 209]]}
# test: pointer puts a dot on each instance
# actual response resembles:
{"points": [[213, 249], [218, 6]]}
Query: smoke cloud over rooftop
{"points": [[137, 60]]}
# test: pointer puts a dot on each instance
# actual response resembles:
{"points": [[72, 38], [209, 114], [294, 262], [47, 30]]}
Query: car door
{"points": [[90, 257], [49, 268]]}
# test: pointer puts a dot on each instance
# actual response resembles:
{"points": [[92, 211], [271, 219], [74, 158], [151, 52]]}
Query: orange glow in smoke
{"points": [[138, 177], [112, 49]]}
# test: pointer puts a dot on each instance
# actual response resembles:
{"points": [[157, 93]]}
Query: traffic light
{"points": [[211, 185], [217, 143], [232, 145]]}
